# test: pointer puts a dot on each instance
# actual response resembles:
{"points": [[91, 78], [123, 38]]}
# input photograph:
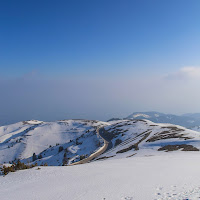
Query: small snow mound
{"points": [[33, 122], [141, 115], [73, 149]]}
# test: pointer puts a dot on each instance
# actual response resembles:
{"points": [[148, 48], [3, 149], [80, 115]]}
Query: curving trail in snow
{"points": [[95, 154]]}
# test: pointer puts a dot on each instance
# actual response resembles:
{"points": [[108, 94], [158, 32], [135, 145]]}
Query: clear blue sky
{"points": [[68, 36], [91, 39]]}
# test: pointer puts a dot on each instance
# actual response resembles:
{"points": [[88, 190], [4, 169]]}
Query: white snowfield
{"points": [[171, 176], [144, 161]]}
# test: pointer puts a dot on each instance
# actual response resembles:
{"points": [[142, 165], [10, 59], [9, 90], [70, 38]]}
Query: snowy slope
{"points": [[143, 137], [195, 128], [136, 178], [53, 142], [68, 141], [145, 161]]}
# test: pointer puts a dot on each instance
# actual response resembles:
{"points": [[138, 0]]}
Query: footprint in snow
{"points": [[127, 198], [159, 188], [186, 193]]}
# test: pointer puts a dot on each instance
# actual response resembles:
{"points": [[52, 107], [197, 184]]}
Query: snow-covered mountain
{"points": [[195, 128], [69, 141], [143, 137], [53, 143], [193, 115], [144, 160], [183, 120]]}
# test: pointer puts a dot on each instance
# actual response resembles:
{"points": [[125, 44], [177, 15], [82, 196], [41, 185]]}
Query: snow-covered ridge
{"points": [[69, 141], [32, 122], [141, 115], [152, 162], [195, 128], [144, 138], [53, 143]]}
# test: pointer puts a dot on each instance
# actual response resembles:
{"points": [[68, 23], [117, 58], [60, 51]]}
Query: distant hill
{"points": [[187, 120], [193, 115], [114, 119]]}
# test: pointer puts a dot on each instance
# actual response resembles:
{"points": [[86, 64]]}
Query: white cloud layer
{"points": [[35, 97], [190, 72]]}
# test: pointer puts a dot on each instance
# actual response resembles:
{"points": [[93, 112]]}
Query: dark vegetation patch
{"points": [[86, 121], [116, 129], [108, 134], [142, 120], [184, 147], [173, 128], [113, 119], [145, 136], [118, 141], [105, 157], [112, 133], [17, 166], [60, 149], [131, 155], [136, 145], [173, 132], [27, 122], [83, 156], [128, 149]]}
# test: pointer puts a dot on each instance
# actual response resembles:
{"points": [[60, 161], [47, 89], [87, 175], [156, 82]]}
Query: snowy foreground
{"points": [[170, 176]]}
